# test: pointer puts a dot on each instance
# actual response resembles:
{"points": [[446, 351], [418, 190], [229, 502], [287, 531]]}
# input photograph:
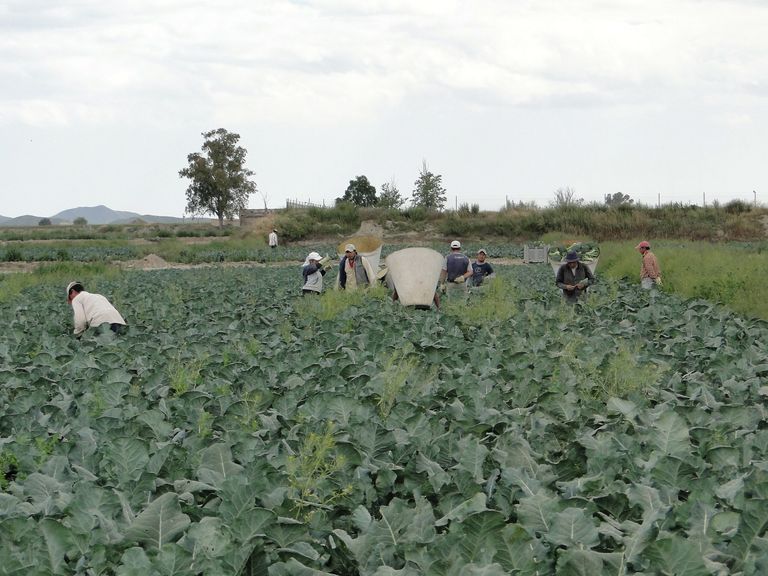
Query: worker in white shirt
{"points": [[92, 310], [273, 239]]}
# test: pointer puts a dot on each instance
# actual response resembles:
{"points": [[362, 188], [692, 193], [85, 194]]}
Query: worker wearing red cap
{"points": [[650, 273]]}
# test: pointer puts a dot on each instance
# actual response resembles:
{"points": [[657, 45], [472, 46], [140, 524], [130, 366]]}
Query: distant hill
{"points": [[94, 215]]}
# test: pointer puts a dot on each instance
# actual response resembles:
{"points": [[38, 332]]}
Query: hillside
{"points": [[93, 214]]}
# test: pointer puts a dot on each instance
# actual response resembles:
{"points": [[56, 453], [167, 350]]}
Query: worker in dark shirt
{"points": [[480, 268], [573, 278]]}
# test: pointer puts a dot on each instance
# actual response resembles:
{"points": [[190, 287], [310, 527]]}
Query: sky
{"points": [[101, 101]]}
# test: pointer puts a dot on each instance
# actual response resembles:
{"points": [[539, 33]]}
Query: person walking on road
{"points": [[573, 278], [650, 272], [92, 310]]}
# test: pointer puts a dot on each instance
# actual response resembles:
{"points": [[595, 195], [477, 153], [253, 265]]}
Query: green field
{"points": [[240, 429]]}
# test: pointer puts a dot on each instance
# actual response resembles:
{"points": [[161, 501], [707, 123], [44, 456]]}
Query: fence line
{"points": [[299, 204]]}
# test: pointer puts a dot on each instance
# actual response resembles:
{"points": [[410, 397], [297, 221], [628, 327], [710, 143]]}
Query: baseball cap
{"points": [[483, 251], [455, 244], [314, 256], [642, 244], [349, 248]]}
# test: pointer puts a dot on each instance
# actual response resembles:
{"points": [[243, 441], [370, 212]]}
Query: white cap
{"points": [[349, 248], [314, 256], [455, 244], [72, 285]]}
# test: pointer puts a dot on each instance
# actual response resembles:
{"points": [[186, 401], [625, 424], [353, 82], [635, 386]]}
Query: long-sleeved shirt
{"points": [[573, 276], [650, 266], [355, 273], [93, 310], [313, 277]]}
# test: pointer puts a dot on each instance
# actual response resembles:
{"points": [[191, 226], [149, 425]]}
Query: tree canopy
{"points": [[360, 192], [220, 183], [390, 196], [618, 199], [80, 221], [428, 191]]}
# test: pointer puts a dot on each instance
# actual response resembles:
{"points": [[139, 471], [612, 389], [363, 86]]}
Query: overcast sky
{"points": [[102, 100]]}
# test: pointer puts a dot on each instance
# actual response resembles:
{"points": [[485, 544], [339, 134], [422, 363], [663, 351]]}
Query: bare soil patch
{"points": [[11, 267]]}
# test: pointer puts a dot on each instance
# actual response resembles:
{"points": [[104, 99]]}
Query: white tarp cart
{"points": [[414, 274]]}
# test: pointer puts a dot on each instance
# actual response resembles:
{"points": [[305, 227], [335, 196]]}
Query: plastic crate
{"points": [[535, 254]]}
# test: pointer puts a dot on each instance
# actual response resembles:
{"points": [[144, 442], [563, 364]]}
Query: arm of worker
{"points": [[81, 322], [560, 279], [341, 279], [468, 272], [590, 278], [369, 271], [312, 268], [444, 271]]}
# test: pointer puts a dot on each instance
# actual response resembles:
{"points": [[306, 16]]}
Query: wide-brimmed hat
{"points": [[455, 244], [572, 257], [642, 244], [350, 248]]}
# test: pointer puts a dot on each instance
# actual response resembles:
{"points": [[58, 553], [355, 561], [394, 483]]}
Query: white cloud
{"points": [[326, 61], [433, 78]]}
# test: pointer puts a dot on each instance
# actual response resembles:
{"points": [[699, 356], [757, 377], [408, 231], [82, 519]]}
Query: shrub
{"points": [[13, 255], [737, 207], [416, 213]]}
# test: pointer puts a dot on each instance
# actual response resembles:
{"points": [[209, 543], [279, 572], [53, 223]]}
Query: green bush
{"points": [[737, 207]]}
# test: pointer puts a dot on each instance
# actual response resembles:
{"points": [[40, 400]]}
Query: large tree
{"points": [[220, 182], [360, 192], [428, 191], [390, 196]]}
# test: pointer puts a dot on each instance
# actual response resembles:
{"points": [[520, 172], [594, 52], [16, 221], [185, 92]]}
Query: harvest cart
{"points": [[535, 254], [368, 246]]}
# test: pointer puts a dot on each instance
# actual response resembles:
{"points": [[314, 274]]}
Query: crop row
{"points": [[238, 428], [202, 254]]}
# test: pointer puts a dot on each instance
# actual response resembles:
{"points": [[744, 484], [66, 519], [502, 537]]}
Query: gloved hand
{"points": [[459, 280], [658, 281], [442, 288]]}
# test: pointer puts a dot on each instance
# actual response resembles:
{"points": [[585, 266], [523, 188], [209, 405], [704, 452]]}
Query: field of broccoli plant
{"points": [[239, 429]]}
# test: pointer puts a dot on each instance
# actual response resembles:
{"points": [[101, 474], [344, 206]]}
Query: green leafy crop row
{"points": [[238, 428]]}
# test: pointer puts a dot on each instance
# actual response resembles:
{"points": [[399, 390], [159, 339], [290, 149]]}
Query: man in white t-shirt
{"points": [[91, 310]]}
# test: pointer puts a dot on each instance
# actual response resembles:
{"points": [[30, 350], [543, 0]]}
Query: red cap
{"points": [[642, 244]]}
